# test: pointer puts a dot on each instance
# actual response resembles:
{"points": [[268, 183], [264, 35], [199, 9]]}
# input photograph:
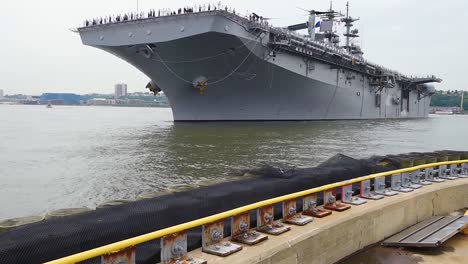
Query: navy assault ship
{"points": [[216, 65]]}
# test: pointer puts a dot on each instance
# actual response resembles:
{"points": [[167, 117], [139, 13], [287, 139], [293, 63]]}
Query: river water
{"points": [[71, 156]]}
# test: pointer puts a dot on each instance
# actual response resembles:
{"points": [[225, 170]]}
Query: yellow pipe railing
{"points": [[131, 242]]}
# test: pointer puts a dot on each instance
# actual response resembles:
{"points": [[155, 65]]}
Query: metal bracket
{"points": [[444, 173], [455, 171], [432, 175], [464, 170], [423, 177], [212, 240], [174, 250], [367, 193], [348, 198], [413, 180], [330, 202], [379, 187], [126, 256], [266, 223], [397, 184], [429, 174], [291, 216], [240, 230], [309, 207]]}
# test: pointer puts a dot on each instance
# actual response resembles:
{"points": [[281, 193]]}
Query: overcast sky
{"points": [[38, 52]]}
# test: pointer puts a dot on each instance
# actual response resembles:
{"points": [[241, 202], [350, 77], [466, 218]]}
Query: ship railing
{"points": [[294, 35], [122, 247], [151, 14], [231, 14]]}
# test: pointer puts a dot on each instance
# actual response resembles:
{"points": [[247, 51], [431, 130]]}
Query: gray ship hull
{"points": [[244, 81]]}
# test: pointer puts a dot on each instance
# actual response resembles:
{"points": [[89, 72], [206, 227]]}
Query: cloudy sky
{"points": [[38, 52]]}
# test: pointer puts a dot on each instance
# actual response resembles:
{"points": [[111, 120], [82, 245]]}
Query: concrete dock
{"points": [[333, 238]]}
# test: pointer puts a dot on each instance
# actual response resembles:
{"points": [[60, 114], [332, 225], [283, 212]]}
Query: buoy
{"points": [[113, 203], [20, 221], [66, 212]]}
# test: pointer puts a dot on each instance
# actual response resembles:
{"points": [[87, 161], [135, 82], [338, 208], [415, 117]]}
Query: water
{"points": [[82, 156]]}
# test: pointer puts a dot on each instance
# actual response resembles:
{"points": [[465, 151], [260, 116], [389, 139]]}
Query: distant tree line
{"points": [[449, 99]]}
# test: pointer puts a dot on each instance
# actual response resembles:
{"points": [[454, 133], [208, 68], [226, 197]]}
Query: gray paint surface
{"points": [[245, 83]]}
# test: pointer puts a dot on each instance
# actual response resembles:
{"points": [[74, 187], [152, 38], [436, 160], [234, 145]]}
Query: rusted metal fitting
{"points": [[347, 196], [310, 208], [212, 240], [174, 250], [331, 203], [379, 187], [240, 230], [366, 192], [266, 224], [126, 256], [291, 216]]}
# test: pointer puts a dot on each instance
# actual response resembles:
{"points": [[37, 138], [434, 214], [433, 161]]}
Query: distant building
{"points": [[101, 101], [1, 93], [120, 90], [60, 99]]}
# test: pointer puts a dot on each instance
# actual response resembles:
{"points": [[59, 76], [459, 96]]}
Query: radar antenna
{"points": [[327, 15], [351, 33]]}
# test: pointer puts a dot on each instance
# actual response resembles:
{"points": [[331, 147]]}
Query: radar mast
{"points": [[351, 33], [327, 25]]}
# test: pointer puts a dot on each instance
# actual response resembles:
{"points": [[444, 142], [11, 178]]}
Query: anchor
{"points": [[201, 84]]}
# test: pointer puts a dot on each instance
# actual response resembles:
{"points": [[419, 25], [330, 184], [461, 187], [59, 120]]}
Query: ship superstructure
{"points": [[216, 65]]}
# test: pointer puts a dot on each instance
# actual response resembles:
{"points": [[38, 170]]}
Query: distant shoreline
{"points": [[149, 106]]}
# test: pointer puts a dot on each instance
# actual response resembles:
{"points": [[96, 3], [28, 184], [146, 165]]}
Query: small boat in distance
{"points": [[444, 112]]}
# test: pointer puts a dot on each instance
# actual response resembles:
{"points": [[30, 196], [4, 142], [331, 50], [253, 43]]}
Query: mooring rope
{"points": [[207, 57], [214, 82]]}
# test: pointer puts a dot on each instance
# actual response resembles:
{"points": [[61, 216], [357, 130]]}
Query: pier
{"points": [[324, 223]]}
